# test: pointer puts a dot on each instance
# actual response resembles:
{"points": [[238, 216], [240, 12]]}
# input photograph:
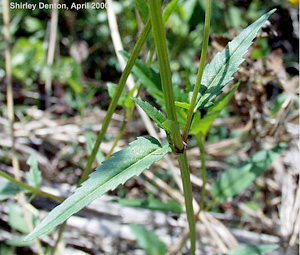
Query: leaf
{"points": [[123, 165], [186, 10], [148, 240], [156, 115], [237, 179], [148, 77], [16, 219], [34, 176], [28, 58], [254, 249], [8, 189], [112, 90], [33, 24], [6, 249], [67, 70], [75, 85], [182, 105], [152, 204], [225, 64], [152, 82], [19, 242], [203, 125], [142, 6], [277, 105]]}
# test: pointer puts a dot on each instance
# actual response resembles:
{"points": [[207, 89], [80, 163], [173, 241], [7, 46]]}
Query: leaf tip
{"points": [[30, 237]]}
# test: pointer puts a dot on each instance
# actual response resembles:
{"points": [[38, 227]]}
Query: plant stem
{"points": [[28, 187], [51, 51], [188, 198], [127, 119], [201, 144], [60, 232], [113, 104], [129, 115], [10, 110], [165, 71], [200, 71]]}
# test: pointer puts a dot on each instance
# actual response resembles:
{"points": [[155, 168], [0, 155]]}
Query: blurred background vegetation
{"points": [[85, 63]]}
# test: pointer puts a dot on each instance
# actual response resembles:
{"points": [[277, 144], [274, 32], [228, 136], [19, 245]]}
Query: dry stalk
{"points": [[51, 51], [10, 114]]}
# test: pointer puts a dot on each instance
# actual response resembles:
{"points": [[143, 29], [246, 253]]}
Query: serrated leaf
{"points": [[156, 115], [123, 165], [148, 240], [225, 64], [254, 249], [34, 176], [8, 189], [203, 125], [237, 179]]}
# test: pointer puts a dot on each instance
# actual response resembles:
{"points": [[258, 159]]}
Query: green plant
{"points": [[254, 250], [143, 152], [149, 241]]}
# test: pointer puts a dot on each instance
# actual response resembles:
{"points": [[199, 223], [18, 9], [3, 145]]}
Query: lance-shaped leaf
{"points": [[225, 64], [203, 125], [148, 77], [123, 165], [148, 240], [156, 115], [254, 249], [237, 179]]}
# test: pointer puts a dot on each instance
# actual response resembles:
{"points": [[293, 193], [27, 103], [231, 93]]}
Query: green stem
{"points": [[201, 144], [188, 198], [28, 187], [128, 117], [61, 231], [112, 107], [165, 71], [113, 104], [120, 134], [200, 71]]}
